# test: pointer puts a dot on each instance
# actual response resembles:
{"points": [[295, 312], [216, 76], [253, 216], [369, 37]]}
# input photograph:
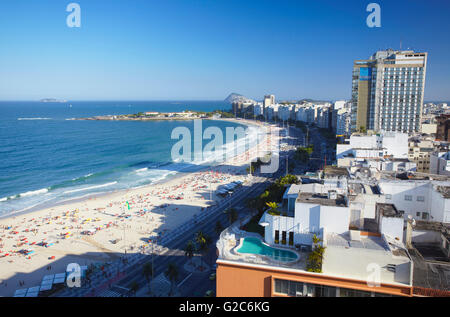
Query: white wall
{"points": [[423, 236], [343, 150], [396, 144], [279, 223], [335, 219], [398, 190], [446, 217], [309, 219], [367, 204], [440, 163], [440, 207], [313, 217], [435, 204], [392, 227], [364, 141]]}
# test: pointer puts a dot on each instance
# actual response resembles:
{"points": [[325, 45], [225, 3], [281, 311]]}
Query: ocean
{"points": [[46, 157]]}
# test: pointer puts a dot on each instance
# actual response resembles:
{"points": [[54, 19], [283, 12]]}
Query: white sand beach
{"points": [[99, 228]]}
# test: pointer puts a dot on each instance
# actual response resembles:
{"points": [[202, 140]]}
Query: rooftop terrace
{"points": [[389, 210], [357, 259], [333, 171], [322, 199], [343, 258]]}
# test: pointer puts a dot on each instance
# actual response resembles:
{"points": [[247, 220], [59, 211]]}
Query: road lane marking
{"points": [[184, 280]]}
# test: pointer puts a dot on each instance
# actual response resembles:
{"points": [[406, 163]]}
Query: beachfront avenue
{"points": [[238, 141]]}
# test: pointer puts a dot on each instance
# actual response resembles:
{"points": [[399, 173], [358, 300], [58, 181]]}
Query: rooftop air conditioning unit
{"points": [[355, 235], [332, 194]]}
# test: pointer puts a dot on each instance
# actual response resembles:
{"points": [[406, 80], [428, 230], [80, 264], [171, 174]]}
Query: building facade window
{"points": [[300, 289], [346, 292], [408, 197], [420, 198]]}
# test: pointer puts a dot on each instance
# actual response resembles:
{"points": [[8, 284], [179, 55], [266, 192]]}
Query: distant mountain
{"points": [[234, 97]]}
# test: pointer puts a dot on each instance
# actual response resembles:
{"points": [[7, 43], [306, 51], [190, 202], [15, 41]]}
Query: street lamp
{"points": [[210, 189]]}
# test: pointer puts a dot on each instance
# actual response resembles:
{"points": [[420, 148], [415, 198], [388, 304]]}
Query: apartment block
{"points": [[387, 91], [279, 265], [420, 153]]}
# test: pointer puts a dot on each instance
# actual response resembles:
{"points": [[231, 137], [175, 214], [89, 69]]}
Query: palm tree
{"points": [[189, 250], [172, 274], [316, 239], [261, 201], [203, 242], [134, 287], [273, 209], [218, 227], [315, 257], [147, 271], [232, 215]]}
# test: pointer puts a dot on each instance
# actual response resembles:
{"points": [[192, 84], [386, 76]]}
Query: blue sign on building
{"points": [[365, 73]]}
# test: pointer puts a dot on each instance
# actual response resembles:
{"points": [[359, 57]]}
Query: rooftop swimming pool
{"points": [[256, 246]]}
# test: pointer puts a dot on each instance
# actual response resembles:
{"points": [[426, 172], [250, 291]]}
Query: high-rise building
{"points": [[443, 128], [387, 91], [420, 153], [268, 101]]}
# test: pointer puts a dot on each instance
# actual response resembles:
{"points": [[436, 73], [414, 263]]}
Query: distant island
{"points": [[53, 100]]}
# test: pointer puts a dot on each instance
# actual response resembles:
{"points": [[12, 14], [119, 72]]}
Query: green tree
{"points": [[218, 229], [315, 257], [232, 215], [172, 275], [303, 154], [203, 242], [147, 271], [273, 209], [288, 180], [189, 250], [134, 287]]}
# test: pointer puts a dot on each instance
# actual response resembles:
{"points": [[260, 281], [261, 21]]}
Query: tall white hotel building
{"points": [[387, 91]]}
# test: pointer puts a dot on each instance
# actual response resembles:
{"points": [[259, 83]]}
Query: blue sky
{"points": [[206, 49]]}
